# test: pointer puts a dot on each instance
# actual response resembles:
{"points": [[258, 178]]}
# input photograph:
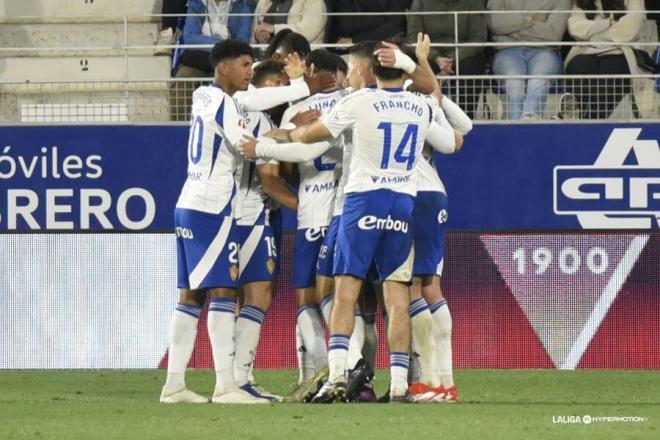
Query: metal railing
{"points": [[167, 99]]}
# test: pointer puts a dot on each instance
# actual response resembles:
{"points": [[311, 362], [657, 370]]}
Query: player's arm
{"points": [[456, 116], [267, 148], [442, 139], [422, 77], [275, 187]]}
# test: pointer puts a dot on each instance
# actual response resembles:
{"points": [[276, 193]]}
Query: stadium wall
{"points": [[552, 260]]}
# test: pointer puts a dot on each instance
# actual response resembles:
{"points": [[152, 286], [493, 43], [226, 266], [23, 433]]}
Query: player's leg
{"points": [[257, 261], [183, 332], [353, 255], [325, 282], [442, 329], [308, 244], [369, 305], [394, 258], [193, 232], [216, 269]]}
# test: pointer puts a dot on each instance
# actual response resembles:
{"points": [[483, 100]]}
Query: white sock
{"points": [[183, 331], [248, 328], [221, 323], [337, 354], [357, 341], [313, 335], [306, 368], [326, 308], [370, 347], [422, 343], [399, 363], [442, 333]]}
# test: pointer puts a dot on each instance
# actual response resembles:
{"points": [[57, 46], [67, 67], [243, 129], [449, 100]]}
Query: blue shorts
{"points": [[308, 244], [377, 227], [325, 263], [257, 258], [207, 249], [430, 221]]}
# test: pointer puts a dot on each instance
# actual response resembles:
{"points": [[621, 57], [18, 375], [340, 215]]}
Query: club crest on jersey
{"points": [[369, 222], [270, 265], [442, 216], [233, 272], [612, 193]]}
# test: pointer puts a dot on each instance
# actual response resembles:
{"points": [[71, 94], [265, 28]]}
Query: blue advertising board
{"points": [[507, 177]]}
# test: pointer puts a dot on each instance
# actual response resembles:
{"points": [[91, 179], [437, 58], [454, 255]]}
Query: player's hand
{"points": [[423, 48], [248, 148], [302, 118], [279, 134], [295, 66], [345, 40], [386, 55], [320, 81]]}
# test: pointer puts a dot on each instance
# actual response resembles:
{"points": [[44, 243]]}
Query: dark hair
{"points": [[291, 41], [341, 64], [608, 5], [384, 73], [322, 60], [365, 49], [229, 49], [265, 69]]}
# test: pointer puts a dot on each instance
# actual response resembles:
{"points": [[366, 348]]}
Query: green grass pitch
{"points": [[495, 404]]}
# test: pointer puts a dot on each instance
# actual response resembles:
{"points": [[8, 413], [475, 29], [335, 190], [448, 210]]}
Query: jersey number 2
{"points": [[409, 138]]}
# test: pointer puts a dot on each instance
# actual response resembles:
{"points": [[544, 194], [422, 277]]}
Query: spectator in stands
{"points": [[527, 28], [285, 42], [213, 26], [471, 29], [354, 29], [306, 17], [597, 98], [167, 34]]}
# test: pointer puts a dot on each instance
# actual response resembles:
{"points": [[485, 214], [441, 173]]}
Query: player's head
{"points": [[232, 62], [359, 65], [342, 72], [285, 42], [268, 73], [385, 73], [322, 60]]}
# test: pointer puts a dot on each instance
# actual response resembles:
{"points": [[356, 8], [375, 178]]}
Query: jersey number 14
{"points": [[408, 142]]}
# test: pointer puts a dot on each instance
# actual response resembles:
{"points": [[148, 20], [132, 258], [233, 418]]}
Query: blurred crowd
{"points": [[291, 25]]}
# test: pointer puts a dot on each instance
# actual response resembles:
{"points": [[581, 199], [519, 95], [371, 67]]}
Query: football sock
{"points": [[326, 308], [183, 331], [399, 363], [442, 324], [337, 354], [248, 328], [370, 346], [422, 343], [306, 368], [313, 335], [221, 324], [357, 341]]}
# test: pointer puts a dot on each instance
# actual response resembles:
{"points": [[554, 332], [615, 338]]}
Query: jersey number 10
{"points": [[409, 138]]}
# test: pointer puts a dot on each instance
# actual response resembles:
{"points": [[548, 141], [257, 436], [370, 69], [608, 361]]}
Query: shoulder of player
{"points": [[356, 95]]}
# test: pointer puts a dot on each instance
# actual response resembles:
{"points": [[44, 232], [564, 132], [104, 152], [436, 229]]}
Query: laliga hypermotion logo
{"points": [[611, 194]]}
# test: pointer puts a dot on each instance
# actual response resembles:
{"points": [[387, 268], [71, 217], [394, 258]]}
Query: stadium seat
{"points": [[21, 11]]}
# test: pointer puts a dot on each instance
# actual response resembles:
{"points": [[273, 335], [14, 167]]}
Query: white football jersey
{"points": [[319, 177], [340, 194], [250, 197], [427, 175], [389, 126], [216, 131]]}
